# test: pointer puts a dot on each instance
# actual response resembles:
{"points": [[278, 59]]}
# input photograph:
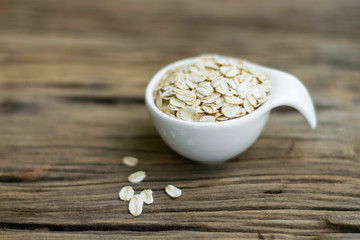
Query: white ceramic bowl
{"points": [[219, 141]]}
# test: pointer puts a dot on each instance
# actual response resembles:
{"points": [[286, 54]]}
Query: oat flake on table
{"points": [[147, 195], [137, 177], [130, 161], [136, 205], [212, 88], [126, 193], [173, 191]]}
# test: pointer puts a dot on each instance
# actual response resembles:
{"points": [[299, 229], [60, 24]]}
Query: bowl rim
{"points": [[150, 103]]}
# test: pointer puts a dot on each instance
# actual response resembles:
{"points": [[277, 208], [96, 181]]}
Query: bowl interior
{"points": [[150, 103]]}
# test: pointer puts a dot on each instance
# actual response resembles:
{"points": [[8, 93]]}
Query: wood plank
{"points": [[16, 234], [72, 82], [19, 234], [119, 17]]}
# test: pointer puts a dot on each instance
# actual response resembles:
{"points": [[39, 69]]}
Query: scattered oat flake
{"points": [[136, 205], [137, 177], [130, 161], [147, 196], [173, 191], [126, 193]]}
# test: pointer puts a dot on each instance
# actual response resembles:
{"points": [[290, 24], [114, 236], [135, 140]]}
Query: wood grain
{"points": [[72, 80]]}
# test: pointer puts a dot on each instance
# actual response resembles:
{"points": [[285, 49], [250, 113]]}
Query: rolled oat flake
{"points": [[137, 177], [126, 193], [173, 191], [136, 205]]}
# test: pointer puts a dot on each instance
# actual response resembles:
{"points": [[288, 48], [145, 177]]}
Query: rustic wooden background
{"points": [[72, 81]]}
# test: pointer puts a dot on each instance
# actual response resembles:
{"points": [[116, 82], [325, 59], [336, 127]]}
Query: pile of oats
{"points": [[136, 201], [211, 88]]}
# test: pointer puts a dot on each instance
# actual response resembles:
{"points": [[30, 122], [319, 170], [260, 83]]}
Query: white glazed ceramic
{"points": [[219, 141]]}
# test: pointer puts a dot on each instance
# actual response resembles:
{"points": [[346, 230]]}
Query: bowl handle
{"points": [[290, 91]]}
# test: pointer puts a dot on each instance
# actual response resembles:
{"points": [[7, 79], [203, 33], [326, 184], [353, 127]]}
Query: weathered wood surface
{"points": [[72, 79]]}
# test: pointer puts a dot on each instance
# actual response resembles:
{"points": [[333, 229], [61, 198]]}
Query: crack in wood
{"points": [[273, 191], [111, 227], [261, 208], [75, 85], [343, 225], [260, 236], [10, 106], [59, 85], [103, 100]]}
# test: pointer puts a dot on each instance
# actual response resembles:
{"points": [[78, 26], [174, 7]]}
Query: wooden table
{"points": [[72, 81]]}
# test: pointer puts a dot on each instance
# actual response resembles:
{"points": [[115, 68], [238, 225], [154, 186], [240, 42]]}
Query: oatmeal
{"points": [[211, 88]]}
